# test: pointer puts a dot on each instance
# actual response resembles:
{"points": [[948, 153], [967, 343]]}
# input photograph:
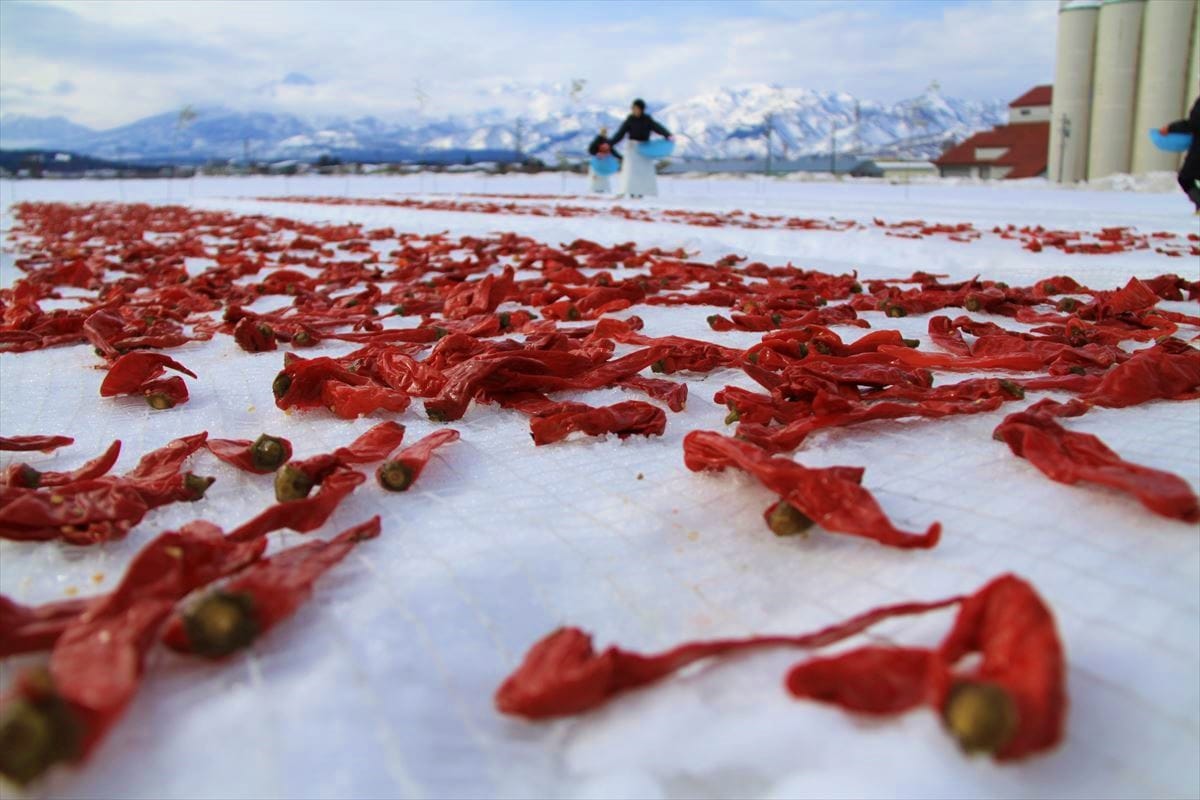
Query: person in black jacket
{"points": [[638, 125], [1189, 173], [602, 139], [600, 147], [637, 171]]}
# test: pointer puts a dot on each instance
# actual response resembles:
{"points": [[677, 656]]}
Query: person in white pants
{"points": [[637, 172]]}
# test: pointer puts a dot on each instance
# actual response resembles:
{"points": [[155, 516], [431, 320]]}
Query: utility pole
{"points": [[519, 137], [833, 147], [422, 97], [857, 128], [769, 123], [186, 115], [1062, 144]]}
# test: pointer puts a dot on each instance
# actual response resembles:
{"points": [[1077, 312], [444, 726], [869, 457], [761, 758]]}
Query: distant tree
{"points": [[33, 163]]}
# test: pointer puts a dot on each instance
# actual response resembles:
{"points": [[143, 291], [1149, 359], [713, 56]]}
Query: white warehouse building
{"points": [[1122, 68]]}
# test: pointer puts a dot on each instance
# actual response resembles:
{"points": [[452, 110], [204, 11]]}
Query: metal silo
{"points": [[1118, 35], [1071, 103], [1193, 82], [1166, 40]]}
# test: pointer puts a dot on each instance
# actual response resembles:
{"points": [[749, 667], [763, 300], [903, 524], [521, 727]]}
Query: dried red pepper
{"points": [[1069, 457], [315, 382], [26, 476], [669, 392], [138, 373], [254, 336], [1167, 371], [832, 497], [306, 513], [27, 629], [264, 455], [254, 601], [297, 479], [624, 419], [400, 472], [105, 508], [1010, 704], [46, 444], [96, 664]]}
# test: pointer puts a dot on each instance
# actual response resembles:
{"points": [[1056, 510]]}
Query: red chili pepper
{"points": [[296, 479], [829, 411], [302, 381], [351, 402], [27, 629], [562, 674], [669, 392], [624, 419], [46, 444], [86, 512], [532, 370], [101, 509], [479, 297], [832, 497], [165, 462], [1069, 457], [305, 513], [375, 444], [26, 476], [1166, 371], [113, 333], [255, 600], [1010, 704], [264, 455], [138, 372], [254, 336], [309, 383], [96, 664], [399, 473]]}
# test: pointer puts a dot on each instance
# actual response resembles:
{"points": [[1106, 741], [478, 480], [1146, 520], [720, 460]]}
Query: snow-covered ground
{"points": [[382, 685]]}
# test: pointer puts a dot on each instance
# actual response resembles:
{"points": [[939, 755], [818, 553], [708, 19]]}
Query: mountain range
{"points": [[552, 126]]}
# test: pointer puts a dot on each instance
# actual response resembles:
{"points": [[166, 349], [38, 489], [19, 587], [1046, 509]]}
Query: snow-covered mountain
{"points": [[548, 122]]}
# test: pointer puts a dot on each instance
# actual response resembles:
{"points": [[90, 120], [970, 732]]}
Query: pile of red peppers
{"points": [[400, 323]]}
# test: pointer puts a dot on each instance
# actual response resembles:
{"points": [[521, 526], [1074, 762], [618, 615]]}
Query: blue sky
{"points": [[106, 62]]}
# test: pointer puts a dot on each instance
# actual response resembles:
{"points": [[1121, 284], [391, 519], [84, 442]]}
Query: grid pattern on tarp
{"points": [[382, 684]]}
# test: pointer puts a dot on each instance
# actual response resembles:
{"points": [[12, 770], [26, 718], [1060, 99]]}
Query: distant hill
{"points": [[20, 131], [726, 123]]}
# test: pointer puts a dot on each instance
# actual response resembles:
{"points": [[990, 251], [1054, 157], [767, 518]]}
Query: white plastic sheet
{"points": [[382, 684]]}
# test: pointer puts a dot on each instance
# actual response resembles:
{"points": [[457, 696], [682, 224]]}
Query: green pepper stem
{"points": [[291, 484], [981, 716], [395, 476], [220, 624]]}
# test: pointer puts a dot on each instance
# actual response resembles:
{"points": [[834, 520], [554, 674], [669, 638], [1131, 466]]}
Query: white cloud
{"points": [[130, 59]]}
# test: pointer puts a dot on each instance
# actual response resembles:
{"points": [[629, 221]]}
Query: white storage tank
{"points": [[1193, 82], [1166, 41], [1118, 36], [1067, 159]]}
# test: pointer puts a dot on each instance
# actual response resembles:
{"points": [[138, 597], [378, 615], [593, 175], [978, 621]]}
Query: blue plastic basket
{"points": [[605, 165], [1171, 142], [659, 148]]}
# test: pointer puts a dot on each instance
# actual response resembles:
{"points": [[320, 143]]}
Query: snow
{"points": [[381, 685]]}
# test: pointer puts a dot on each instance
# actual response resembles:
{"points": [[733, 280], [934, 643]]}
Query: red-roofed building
{"points": [[1016, 150]]}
